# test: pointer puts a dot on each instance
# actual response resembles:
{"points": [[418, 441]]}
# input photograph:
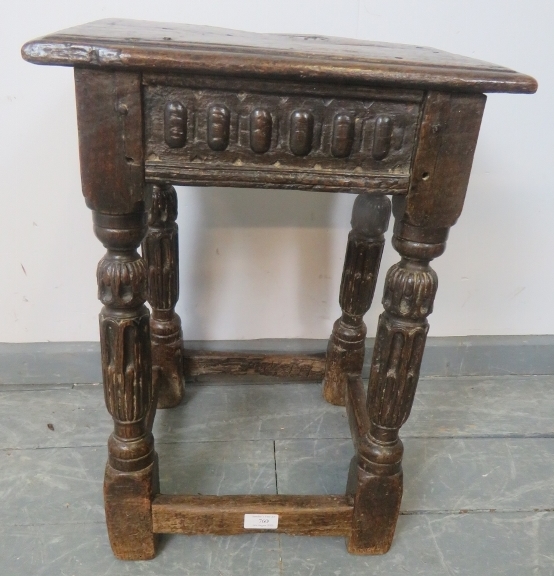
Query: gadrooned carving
{"points": [[160, 250], [121, 280], [343, 135], [219, 119], [261, 127], [301, 132], [382, 137], [175, 124], [410, 290], [336, 142]]}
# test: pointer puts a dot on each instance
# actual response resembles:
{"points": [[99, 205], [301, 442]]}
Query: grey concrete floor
{"points": [[478, 468]]}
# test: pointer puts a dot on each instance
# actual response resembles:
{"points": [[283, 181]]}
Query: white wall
{"points": [[263, 264]]}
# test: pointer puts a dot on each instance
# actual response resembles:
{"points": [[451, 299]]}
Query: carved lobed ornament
{"points": [[301, 130], [121, 280], [410, 290], [204, 134]]}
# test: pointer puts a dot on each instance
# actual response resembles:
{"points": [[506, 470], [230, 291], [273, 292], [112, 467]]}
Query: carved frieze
{"points": [[308, 140]]}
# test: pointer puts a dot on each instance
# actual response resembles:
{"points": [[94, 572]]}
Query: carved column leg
{"points": [[160, 250], [131, 477], [345, 352], [376, 477]]}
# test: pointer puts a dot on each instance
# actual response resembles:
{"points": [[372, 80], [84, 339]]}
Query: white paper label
{"points": [[261, 521]]}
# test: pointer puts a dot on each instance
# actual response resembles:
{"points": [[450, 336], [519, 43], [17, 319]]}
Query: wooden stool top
{"points": [[135, 44]]}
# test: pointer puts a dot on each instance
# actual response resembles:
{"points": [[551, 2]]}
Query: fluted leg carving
{"points": [[131, 473], [160, 250], [376, 478], [346, 348]]}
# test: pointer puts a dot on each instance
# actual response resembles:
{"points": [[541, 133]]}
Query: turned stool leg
{"points": [[345, 352], [160, 250], [131, 477], [376, 474]]}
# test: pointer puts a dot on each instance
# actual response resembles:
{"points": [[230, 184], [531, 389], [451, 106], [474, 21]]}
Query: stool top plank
{"points": [[135, 44]]}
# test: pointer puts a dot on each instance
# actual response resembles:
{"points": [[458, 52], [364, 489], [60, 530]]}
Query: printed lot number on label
{"points": [[261, 521]]}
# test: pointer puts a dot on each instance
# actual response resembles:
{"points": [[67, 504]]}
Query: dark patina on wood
{"points": [[345, 353], [161, 104], [135, 44], [258, 138], [292, 367], [224, 515], [160, 251]]}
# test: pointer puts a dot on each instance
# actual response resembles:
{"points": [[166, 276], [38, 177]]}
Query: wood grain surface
{"points": [[116, 43], [309, 515]]}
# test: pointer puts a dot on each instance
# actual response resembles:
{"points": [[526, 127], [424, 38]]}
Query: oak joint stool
{"points": [[162, 104]]}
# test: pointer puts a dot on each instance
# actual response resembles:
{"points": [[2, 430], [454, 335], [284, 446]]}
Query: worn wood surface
{"points": [[109, 119], [375, 480], [346, 349], [160, 251], [441, 170], [358, 418], [116, 43], [195, 105], [109, 114], [303, 138], [307, 515], [297, 367], [128, 506], [442, 164], [131, 473]]}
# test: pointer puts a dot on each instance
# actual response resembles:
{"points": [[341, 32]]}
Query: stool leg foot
{"points": [[160, 250], [346, 348], [131, 477], [376, 507], [167, 361], [128, 503]]}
